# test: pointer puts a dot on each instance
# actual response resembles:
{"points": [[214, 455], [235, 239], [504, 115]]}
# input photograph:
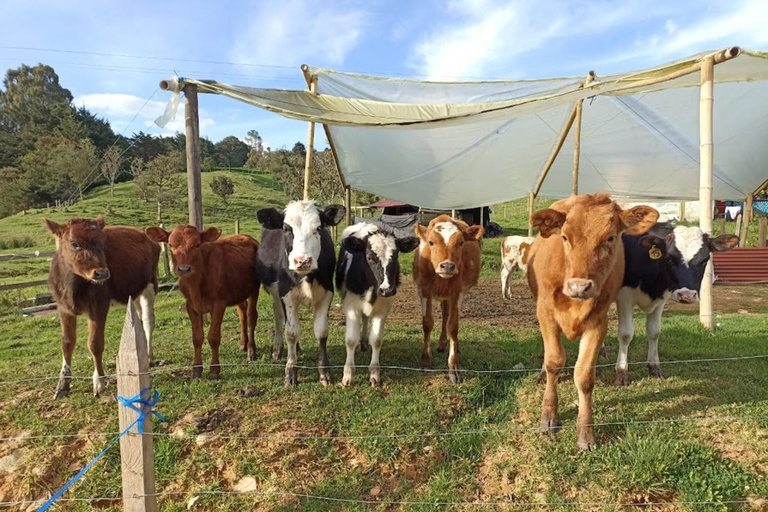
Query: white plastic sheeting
{"points": [[460, 145]]}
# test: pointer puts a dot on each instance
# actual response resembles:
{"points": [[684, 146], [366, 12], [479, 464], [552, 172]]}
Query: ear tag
{"points": [[655, 253]]}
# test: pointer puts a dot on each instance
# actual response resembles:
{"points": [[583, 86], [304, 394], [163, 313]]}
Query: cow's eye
{"points": [[611, 239], [320, 229], [565, 238], [431, 242], [75, 246], [461, 243]]}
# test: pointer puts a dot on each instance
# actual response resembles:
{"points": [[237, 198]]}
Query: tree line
{"points": [[51, 150]]}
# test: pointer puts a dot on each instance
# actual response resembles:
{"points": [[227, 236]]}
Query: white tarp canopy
{"points": [[469, 144]]}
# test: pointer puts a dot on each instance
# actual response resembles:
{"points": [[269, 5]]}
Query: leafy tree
{"points": [[223, 187], [112, 166], [231, 152], [162, 182], [300, 149], [135, 168], [147, 147], [58, 168], [253, 140], [98, 130], [13, 196]]}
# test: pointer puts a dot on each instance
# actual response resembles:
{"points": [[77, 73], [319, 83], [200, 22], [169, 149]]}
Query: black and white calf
{"points": [[295, 263], [666, 262], [368, 274]]}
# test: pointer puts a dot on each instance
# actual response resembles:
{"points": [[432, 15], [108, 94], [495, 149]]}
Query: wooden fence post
{"points": [[761, 231], [746, 217], [722, 224], [237, 226], [166, 259], [137, 461], [194, 178]]}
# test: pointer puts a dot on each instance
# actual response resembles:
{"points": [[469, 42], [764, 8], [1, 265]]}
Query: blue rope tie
{"points": [[144, 407]]}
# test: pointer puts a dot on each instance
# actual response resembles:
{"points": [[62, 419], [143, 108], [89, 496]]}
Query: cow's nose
{"points": [[448, 267], [101, 274], [302, 262], [687, 296], [579, 288], [386, 292], [183, 269]]}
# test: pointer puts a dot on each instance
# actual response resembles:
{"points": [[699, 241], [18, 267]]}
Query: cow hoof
{"points": [[241, 348], [426, 362], [375, 381], [277, 355], [197, 371], [62, 389], [586, 442], [548, 422], [325, 377], [291, 377], [586, 446], [542, 378], [655, 371], [214, 374], [346, 381], [603, 352], [454, 376], [622, 378]]}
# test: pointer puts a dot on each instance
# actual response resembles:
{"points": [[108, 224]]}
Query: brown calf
{"points": [[446, 265], [214, 273], [575, 270], [93, 266]]}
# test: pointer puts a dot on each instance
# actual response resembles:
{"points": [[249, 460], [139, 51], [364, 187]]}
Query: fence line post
{"points": [[166, 261], [137, 460], [762, 227], [237, 226]]}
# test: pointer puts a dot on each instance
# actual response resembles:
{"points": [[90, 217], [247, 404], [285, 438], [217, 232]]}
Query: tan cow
{"points": [[446, 265], [514, 255], [575, 270]]}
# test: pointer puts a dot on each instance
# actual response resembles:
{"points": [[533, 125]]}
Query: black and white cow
{"points": [[666, 262], [368, 274], [295, 263]]}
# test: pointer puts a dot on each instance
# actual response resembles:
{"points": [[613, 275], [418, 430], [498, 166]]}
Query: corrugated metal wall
{"points": [[744, 265]]}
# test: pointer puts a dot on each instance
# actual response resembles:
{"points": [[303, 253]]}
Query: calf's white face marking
{"points": [[689, 241], [303, 228], [446, 230]]}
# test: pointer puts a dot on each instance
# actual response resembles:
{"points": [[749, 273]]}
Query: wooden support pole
{"points": [[706, 157], [348, 204], [137, 460], [166, 259], [237, 226], [722, 225], [312, 83], [531, 199], [762, 227], [746, 218], [577, 137], [194, 178], [555, 151]]}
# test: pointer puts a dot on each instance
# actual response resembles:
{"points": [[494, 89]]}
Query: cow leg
{"points": [[68, 339], [445, 311], [146, 309], [505, 273], [279, 310], [653, 330], [253, 319], [321, 333], [351, 339], [377, 333], [364, 338], [554, 360], [198, 333], [292, 334], [214, 339], [96, 321], [242, 314], [453, 334], [584, 378], [624, 307], [427, 323]]}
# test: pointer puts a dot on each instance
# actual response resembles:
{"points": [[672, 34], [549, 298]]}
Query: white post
{"points": [[706, 156]]}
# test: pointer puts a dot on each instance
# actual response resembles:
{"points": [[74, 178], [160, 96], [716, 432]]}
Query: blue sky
{"points": [[265, 42]]}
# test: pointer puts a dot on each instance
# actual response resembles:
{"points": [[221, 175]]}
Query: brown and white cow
{"points": [[214, 273], [575, 270], [514, 255], [446, 265], [93, 266]]}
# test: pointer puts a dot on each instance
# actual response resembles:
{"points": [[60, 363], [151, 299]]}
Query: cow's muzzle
{"points": [[100, 275], [579, 289], [302, 265], [183, 270], [387, 292], [685, 296], [447, 269]]}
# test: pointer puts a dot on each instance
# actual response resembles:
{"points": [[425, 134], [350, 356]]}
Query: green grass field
{"points": [[417, 442]]}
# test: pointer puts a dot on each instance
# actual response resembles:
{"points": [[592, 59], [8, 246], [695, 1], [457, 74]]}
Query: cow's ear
{"points": [[332, 214], [651, 242], [474, 232], [548, 222], [100, 222], [407, 243], [639, 220], [421, 231], [210, 234], [270, 218], [156, 234], [55, 228], [723, 243], [353, 244]]}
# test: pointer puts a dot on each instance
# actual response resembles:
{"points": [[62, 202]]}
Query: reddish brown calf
{"points": [[446, 265], [214, 273], [575, 270], [93, 266]]}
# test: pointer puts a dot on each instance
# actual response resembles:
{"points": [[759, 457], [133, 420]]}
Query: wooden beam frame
{"points": [[194, 178], [577, 136]]}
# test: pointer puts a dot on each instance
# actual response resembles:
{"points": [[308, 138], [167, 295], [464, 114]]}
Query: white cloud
{"points": [[487, 35], [120, 110], [293, 32], [742, 23]]}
